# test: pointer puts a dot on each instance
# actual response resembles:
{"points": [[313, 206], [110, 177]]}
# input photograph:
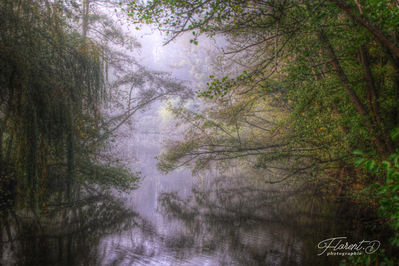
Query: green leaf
{"points": [[395, 133], [375, 169], [370, 165], [359, 161], [358, 152], [386, 165]]}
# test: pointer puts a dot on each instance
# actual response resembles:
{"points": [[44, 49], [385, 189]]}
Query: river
{"points": [[212, 218]]}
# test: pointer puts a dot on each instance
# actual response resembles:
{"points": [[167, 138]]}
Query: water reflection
{"points": [[68, 234], [210, 219], [239, 224], [220, 224], [225, 220]]}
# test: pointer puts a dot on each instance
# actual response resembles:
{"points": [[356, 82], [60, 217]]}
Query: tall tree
{"points": [[325, 82]]}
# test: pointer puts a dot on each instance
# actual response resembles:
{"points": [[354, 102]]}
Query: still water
{"points": [[212, 218]]}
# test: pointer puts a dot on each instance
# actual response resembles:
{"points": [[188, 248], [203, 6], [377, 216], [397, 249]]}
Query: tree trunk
{"points": [[351, 93], [85, 18], [342, 76], [373, 98], [378, 34]]}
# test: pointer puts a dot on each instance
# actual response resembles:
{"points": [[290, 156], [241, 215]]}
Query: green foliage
{"points": [[168, 161], [384, 13], [387, 193], [107, 176], [387, 190], [52, 88], [197, 17], [220, 87], [372, 259], [291, 69]]}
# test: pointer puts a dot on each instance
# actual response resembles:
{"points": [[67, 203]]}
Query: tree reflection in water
{"points": [[246, 225], [227, 222], [68, 234], [224, 222]]}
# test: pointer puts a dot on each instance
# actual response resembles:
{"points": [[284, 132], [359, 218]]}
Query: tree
{"points": [[330, 69], [290, 48], [69, 81]]}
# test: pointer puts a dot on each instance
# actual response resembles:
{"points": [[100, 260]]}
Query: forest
{"points": [[304, 95]]}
